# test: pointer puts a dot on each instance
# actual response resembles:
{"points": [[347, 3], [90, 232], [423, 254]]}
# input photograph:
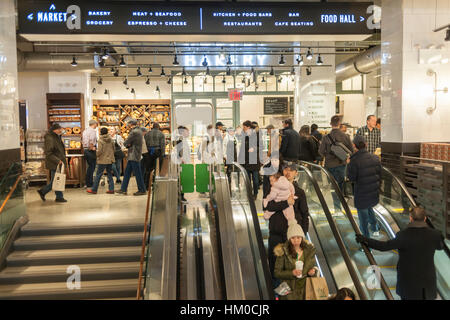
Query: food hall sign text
{"points": [[140, 17]]}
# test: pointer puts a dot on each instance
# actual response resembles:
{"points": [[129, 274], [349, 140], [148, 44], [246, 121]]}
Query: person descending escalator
{"points": [[416, 245], [290, 143], [181, 153]]}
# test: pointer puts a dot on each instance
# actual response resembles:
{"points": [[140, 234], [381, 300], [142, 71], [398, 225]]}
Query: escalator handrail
{"points": [[411, 199], [348, 213], [259, 238], [337, 236]]}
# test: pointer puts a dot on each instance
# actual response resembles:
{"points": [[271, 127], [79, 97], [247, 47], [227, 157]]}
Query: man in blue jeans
{"points": [[89, 139], [54, 155], [364, 170], [134, 144], [333, 164]]}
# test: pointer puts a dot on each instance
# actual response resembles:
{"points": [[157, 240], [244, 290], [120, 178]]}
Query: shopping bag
{"points": [[59, 181], [316, 288]]}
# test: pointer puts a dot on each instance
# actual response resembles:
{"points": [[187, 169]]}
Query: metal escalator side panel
{"points": [[230, 255]]}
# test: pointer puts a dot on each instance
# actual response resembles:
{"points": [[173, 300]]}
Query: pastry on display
{"points": [[76, 130], [78, 144], [68, 130], [72, 144]]}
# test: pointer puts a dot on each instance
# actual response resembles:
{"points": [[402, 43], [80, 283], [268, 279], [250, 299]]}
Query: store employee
{"points": [[89, 146]]}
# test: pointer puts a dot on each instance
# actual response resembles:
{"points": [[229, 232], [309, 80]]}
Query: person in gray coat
{"points": [[134, 145], [416, 245]]}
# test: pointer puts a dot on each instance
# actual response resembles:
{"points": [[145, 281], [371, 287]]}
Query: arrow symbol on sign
{"points": [[52, 7], [30, 17], [361, 19]]}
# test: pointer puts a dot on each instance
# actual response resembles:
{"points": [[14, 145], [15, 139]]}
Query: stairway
{"points": [[108, 256]]}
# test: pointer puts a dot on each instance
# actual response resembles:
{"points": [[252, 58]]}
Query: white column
{"points": [[9, 109]]}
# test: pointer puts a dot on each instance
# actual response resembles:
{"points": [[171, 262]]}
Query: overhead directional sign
{"points": [[141, 17]]}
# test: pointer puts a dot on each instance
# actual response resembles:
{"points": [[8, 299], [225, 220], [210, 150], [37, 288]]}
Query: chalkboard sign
{"points": [[276, 105]]}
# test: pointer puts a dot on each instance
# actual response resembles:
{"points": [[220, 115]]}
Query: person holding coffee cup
{"points": [[295, 261]]}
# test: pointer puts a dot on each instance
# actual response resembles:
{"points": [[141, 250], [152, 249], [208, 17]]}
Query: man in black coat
{"points": [[364, 169], [416, 275], [290, 142], [55, 154], [278, 224]]}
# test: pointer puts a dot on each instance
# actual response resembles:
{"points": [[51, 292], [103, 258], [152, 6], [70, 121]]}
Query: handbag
{"points": [[283, 289], [339, 149], [316, 288], [59, 180], [118, 153]]}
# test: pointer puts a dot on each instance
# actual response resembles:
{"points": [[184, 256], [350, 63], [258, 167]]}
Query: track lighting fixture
{"points": [[281, 62], [243, 80], [125, 81], [293, 71], [252, 70], [183, 72], [157, 89], [138, 72], [308, 71], [205, 80], [248, 83], [74, 62], [280, 78], [101, 63], [223, 80], [228, 71], [319, 61], [207, 71], [105, 54], [116, 74], [150, 70], [263, 80], [175, 61], [169, 81], [309, 55], [205, 61], [122, 62], [300, 60], [229, 62], [106, 91], [132, 90], [271, 71], [100, 81], [112, 70], [162, 71], [185, 80], [94, 90], [147, 81]]}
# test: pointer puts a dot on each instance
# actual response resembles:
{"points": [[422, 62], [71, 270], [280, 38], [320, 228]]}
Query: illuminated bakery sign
{"points": [[91, 17]]}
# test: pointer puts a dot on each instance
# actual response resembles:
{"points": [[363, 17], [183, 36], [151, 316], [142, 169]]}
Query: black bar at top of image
{"points": [[106, 17]]}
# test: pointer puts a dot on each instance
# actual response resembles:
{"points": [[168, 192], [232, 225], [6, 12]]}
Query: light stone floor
{"points": [[84, 208]]}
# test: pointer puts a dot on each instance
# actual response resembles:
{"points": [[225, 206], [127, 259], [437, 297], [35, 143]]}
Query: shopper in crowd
{"points": [[249, 154], [219, 132], [416, 245], [119, 154], [308, 148], [343, 294], [281, 189], [343, 128], [334, 164], [278, 225], [295, 261], [89, 138], [371, 134], [134, 145], [230, 151], [315, 132], [156, 146], [208, 147], [55, 155], [181, 153], [105, 160], [364, 170], [290, 142]]}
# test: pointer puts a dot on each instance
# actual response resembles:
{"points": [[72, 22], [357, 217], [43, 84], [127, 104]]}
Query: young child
{"points": [[281, 190]]}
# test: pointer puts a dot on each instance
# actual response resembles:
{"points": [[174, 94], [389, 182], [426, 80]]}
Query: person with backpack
{"points": [[118, 153], [308, 149], [337, 148], [156, 146]]}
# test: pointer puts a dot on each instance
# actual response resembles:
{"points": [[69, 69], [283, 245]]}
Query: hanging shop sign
{"points": [[276, 105], [140, 17]]}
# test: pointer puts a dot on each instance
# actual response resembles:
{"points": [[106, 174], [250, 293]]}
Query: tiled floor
{"points": [[86, 208]]}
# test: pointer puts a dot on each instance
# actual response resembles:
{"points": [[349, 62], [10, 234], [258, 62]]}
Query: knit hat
{"points": [[294, 230]]}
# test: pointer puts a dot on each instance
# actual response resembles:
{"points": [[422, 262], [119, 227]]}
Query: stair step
{"points": [[122, 288], [40, 229], [74, 256], [68, 241], [58, 273]]}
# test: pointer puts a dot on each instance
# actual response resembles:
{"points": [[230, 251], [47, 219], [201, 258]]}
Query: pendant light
{"points": [[223, 80], [100, 81], [309, 54], [183, 72], [125, 81], [281, 62], [105, 54], [169, 81], [308, 71], [150, 69], [319, 61], [147, 82], [229, 62], [122, 62], [175, 61], [228, 71], [207, 71], [74, 62], [116, 74], [106, 91], [162, 71], [293, 71], [263, 80], [272, 72], [112, 70], [138, 72], [205, 61], [94, 90], [185, 80], [300, 60]]}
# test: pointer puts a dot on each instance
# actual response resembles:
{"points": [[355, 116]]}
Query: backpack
{"points": [[316, 144], [339, 149]]}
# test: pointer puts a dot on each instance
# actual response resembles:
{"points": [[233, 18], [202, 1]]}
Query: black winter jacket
{"points": [[250, 160], [364, 170], [416, 275], [308, 149], [290, 144]]}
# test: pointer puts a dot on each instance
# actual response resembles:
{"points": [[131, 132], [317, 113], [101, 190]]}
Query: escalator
{"points": [[392, 214]]}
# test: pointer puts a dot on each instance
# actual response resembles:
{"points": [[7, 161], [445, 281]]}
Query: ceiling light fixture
{"points": [[228, 71], [207, 71], [150, 69], [125, 81], [74, 62], [223, 80], [157, 89], [280, 78], [272, 72], [308, 71], [147, 81], [138, 72], [229, 62], [205, 61], [309, 54], [169, 81], [162, 71], [281, 60], [100, 81], [122, 62], [116, 74], [300, 60], [185, 80], [106, 91], [112, 70], [263, 79], [293, 71], [105, 54], [183, 72], [175, 61], [94, 90], [319, 61], [132, 90]]}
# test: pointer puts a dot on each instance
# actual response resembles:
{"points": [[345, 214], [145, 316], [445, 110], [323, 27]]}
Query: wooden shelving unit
{"points": [[116, 113], [67, 109]]}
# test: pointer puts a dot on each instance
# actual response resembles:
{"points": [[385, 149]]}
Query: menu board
{"points": [[276, 105], [150, 17]]}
